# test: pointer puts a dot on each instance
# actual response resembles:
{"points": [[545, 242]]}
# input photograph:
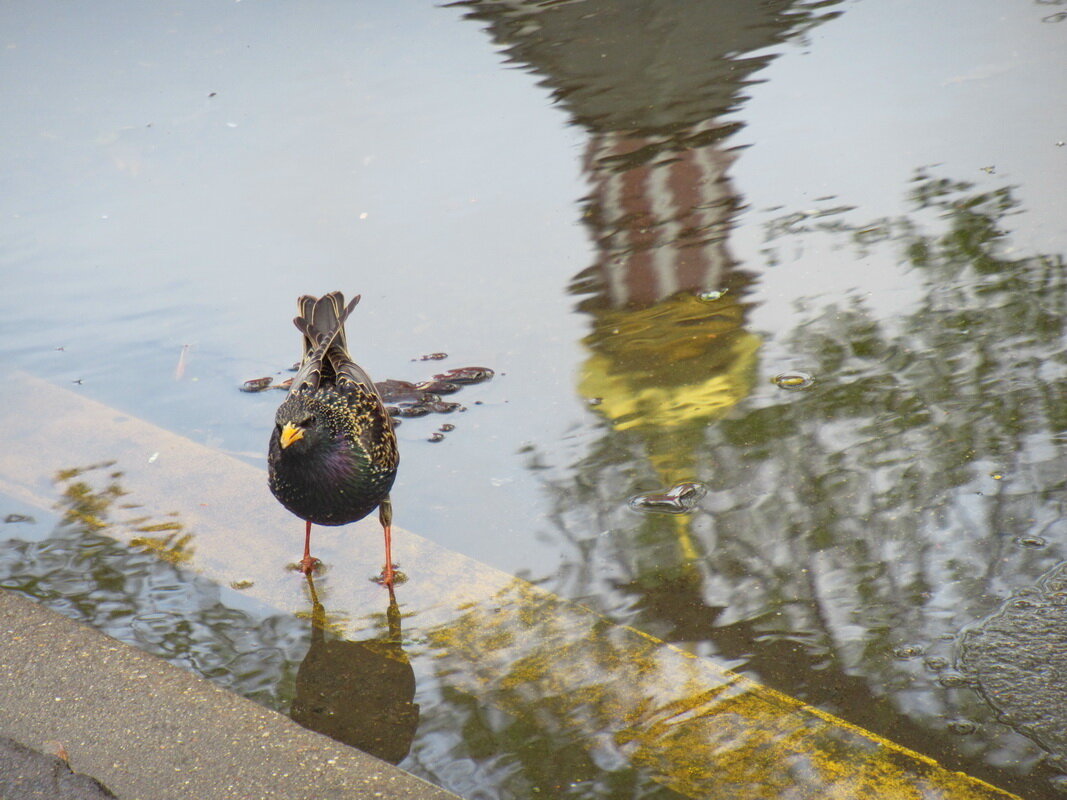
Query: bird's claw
{"points": [[307, 565], [390, 577]]}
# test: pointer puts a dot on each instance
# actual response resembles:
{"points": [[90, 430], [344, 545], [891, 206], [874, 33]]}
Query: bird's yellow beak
{"points": [[290, 433]]}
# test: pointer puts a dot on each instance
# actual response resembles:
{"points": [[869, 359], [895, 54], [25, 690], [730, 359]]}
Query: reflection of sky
{"points": [[863, 101]]}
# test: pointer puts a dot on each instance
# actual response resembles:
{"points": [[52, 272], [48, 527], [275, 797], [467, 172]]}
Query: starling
{"points": [[333, 453]]}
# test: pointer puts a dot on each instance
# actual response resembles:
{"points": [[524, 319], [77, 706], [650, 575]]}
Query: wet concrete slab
{"points": [[624, 696], [146, 729]]}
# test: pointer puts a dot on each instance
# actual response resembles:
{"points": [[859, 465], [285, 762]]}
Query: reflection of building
{"points": [[652, 82], [660, 214], [668, 349], [658, 65]]}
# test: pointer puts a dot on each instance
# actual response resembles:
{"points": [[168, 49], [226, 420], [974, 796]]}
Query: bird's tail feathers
{"points": [[322, 321]]}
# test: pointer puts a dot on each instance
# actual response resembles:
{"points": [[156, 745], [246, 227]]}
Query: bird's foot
{"points": [[390, 577], [307, 565]]}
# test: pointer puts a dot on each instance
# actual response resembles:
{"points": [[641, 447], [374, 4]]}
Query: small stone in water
{"points": [[256, 384], [679, 499], [18, 518], [241, 584], [708, 296], [1031, 541], [432, 357], [793, 380], [447, 427], [436, 437]]}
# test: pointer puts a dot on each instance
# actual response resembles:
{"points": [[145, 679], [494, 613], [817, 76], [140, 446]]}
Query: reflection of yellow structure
{"points": [[668, 369], [85, 506], [681, 361]]}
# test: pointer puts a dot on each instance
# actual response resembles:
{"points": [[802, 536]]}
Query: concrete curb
{"points": [[152, 731]]}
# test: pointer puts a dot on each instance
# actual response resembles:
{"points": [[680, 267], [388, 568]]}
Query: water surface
{"points": [[637, 219]]}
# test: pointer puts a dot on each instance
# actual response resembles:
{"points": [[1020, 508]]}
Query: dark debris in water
{"points": [[679, 499], [466, 376], [257, 384], [11, 518], [406, 398]]}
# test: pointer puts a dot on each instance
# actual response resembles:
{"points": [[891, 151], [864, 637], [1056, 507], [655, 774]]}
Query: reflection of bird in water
{"points": [[359, 693], [333, 454]]}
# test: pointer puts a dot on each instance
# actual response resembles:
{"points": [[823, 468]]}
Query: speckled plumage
{"points": [[333, 453]]}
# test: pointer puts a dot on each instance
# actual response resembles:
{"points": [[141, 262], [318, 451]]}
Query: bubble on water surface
{"points": [[935, 663], [952, 679], [962, 727], [908, 651], [793, 381]]}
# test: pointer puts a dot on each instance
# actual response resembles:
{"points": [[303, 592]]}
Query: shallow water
{"points": [[637, 220]]}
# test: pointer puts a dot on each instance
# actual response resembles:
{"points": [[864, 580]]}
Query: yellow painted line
{"points": [[695, 727]]}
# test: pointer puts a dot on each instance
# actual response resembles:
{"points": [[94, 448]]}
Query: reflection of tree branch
{"points": [[132, 595], [849, 519]]}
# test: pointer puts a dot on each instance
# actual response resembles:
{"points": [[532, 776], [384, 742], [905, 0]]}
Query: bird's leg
{"points": [[307, 563], [385, 516]]}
